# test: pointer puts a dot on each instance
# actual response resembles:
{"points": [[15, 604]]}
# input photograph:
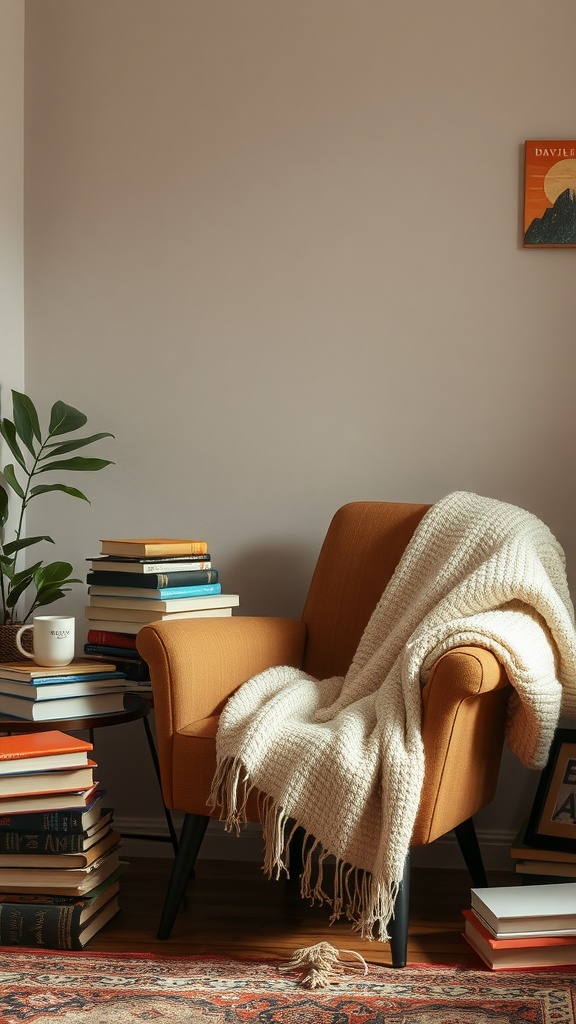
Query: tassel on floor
{"points": [[319, 965]]}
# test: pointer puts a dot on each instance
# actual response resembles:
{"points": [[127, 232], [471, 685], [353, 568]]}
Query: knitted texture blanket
{"points": [[342, 758]]}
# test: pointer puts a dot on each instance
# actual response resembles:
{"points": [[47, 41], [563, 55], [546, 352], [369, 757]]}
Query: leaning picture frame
{"points": [[552, 821], [549, 194]]}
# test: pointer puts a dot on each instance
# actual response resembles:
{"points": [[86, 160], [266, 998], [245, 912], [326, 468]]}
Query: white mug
{"points": [[53, 640]]}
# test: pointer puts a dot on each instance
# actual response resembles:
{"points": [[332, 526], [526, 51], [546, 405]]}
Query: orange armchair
{"points": [[196, 664]]}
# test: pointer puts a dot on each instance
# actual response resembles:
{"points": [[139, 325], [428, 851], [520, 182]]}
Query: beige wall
{"points": [[11, 200], [275, 248]]}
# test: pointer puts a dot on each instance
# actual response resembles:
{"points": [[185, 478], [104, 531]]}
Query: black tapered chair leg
{"points": [[468, 843], [296, 856], [193, 829], [398, 926]]}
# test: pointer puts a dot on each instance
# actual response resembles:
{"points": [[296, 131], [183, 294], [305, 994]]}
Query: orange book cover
{"points": [[141, 546], [550, 193], [40, 744], [513, 954], [475, 924]]}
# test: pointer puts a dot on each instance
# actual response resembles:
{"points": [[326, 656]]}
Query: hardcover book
{"points": [[26, 805], [96, 682], [40, 751], [25, 670], [61, 861], [558, 869], [508, 953], [35, 921], [62, 780], [46, 841], [152, 546], [112, 638], [64, 882], [65, 816], [516, 911], [176, 604], [151, 585], [123, 656], [140, 613], [61, 708], [132, 626], [134, 668], [150, 566]]}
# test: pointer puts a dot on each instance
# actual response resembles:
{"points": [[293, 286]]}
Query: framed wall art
{"points": [[550, 194], [552, 821]]}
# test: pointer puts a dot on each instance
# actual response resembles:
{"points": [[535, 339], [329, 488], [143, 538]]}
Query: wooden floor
{"points": [[233, 909]]}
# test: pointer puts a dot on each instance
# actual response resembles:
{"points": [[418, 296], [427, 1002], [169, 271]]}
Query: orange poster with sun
{"points": [[550, 194]]}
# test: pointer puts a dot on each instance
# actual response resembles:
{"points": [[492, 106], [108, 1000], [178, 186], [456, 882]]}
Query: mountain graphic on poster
{"points": [[557, 225], [550, 193]]}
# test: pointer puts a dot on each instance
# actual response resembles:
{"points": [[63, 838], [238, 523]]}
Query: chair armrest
{"points": [[196, 664], [464, 705]]}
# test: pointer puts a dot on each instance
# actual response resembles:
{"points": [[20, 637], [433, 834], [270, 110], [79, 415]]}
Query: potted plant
{"points": [[37, 455]]}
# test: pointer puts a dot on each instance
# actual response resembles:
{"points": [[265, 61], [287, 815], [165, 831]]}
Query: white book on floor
{"points": [[517, 910]]}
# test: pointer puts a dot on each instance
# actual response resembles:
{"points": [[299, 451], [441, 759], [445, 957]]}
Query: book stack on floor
{"points": [[141, 580], [523, 926], [547, 861], [59, 853], [79, 690]]}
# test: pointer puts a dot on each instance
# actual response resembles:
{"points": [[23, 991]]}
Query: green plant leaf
{"points": [[25, 574], [17, 545], [48, 597], [22, 434], [65, 418], [4, 507], [10, 478], [8, 431], [17, 589], [77, 465], [53, 573], [25, 420], [70, 446], [44, 488]]}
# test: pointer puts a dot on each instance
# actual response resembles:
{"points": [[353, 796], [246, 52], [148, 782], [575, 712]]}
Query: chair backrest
{"points": [[362, 548]]}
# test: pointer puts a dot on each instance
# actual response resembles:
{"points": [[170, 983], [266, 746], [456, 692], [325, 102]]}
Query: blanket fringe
{"points": [[368, 903], [319, 965]]}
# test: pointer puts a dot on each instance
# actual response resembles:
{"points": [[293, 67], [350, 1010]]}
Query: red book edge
{"points": [[85, 790], [527, 941]]}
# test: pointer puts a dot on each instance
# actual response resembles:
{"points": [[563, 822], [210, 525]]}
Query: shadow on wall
{"points": [[271, 579]]}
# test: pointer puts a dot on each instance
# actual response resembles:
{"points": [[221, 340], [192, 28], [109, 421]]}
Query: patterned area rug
{"points": [[83, 988]]}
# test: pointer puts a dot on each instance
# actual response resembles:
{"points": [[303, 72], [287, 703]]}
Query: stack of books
{"points": [[59, 854], [120, 648], [136, 581], [523, 926], [78, 690], [539, 863]]}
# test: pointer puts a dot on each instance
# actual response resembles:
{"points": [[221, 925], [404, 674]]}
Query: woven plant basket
{"points": [[8, 648]]}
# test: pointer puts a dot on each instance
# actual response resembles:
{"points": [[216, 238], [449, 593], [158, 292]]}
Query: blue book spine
{"points": [[165, 593], [112, 652], [77, 678], [171, 593]]}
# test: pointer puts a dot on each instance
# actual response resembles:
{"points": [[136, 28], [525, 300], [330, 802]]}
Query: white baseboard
{"points": [[248, 846]]}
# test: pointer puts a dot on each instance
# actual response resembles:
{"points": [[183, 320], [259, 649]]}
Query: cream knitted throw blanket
{"points": [[342, 757]]}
